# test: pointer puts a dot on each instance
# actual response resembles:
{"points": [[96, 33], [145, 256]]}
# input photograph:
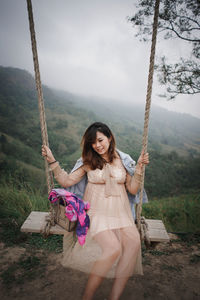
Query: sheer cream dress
{"points": [[110, 249]]}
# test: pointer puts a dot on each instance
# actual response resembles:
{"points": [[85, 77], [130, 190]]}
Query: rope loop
{"points": [[145, 232]]}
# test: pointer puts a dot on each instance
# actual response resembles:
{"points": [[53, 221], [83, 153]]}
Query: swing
{"points": [[151, 231]]}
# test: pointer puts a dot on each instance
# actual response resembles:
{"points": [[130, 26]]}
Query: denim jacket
{"points": [[129, 164]]}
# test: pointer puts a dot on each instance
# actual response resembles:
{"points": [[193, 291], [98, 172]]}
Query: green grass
{"points": [[52, 243], [188, 238], [15, 205], [179, 214], [19, 200]]}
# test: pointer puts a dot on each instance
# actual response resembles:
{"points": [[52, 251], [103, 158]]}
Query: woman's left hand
{"points": [[142, 160]]}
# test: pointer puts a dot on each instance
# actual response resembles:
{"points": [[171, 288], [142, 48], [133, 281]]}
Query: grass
{"points": [[52, 244], [15, 205], [179, 214], [189, 239], [21, 199]]}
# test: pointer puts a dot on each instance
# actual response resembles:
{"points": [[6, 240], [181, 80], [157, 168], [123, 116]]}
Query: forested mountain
{"points": [[168, 131], [68, 116]]}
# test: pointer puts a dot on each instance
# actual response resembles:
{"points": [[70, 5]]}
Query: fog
{"points": [[88, 48]]}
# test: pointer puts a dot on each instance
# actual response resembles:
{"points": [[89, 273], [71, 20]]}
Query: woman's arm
{"points": [[65, 179], [61, 176], [133, 182]]}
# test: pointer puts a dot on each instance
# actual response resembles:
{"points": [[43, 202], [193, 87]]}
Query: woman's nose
{"points": [[97, 144]]}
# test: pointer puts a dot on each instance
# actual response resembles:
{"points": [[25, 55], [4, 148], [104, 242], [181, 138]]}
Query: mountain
{"points": [[168, 131], [68, 115], [19, 117], [172, 136]]}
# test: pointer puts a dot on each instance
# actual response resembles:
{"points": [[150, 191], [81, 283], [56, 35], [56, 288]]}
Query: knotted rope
{"points": [[144, 228], [43, 125]]}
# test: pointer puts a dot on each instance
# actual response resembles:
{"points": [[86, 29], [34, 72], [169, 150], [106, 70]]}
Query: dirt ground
{"points": [[171, 271]]}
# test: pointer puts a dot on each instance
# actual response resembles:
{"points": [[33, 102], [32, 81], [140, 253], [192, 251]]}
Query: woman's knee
{"points": [[113, 251], [132, 240], [116, 251]]}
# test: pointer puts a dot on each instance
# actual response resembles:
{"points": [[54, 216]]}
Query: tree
{"points": [[177, 19]]}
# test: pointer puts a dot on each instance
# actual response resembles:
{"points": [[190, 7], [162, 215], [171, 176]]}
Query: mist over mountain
{"points": [[166, 129], [174, 138], [68, 115]]}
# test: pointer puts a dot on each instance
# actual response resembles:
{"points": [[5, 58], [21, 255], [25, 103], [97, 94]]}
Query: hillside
{"points": [[19, 117], [69, 115], [168, 131]]}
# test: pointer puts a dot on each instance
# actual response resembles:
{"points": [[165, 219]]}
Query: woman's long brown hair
{"points": [[90, 157]]}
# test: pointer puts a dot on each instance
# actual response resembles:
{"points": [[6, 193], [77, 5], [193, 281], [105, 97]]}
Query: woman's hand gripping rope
{"points": [[46, 152], [142, 160]]}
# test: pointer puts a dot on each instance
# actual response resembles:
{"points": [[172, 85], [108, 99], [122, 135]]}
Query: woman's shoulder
{"points": [[124, 156], [127, 161], [86, 168], [80, 164]]}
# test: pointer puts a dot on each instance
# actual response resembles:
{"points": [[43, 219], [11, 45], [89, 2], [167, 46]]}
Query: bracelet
{"points": [[52, 162]]}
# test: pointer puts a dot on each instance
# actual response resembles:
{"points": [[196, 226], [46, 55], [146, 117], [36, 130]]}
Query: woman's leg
{"points": [[93, 283], [130, 240], [111, 250]]}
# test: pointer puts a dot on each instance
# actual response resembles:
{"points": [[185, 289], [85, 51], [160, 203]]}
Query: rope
{"points": [[145, 232], [146, 119], [43, 125]]}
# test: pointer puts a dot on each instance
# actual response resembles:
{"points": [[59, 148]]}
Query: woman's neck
{"points": [[105, 157]]}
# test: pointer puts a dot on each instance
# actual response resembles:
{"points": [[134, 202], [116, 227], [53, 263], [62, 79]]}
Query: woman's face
{"points": [[101, 144]]}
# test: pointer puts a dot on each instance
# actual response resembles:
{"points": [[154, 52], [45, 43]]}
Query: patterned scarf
{"points": [[75, 210]]}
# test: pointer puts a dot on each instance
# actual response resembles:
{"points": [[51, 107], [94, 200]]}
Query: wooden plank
{"points": [[157, 231], [157, 235], [156, 224], [57, 230], [36, 222], [153, 221]]}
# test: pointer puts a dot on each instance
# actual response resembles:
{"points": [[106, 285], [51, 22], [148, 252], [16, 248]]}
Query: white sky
{"points": [[87, 47]]}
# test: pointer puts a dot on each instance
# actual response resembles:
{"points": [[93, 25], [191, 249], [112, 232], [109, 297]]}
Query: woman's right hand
{"points": [[46, 152]]}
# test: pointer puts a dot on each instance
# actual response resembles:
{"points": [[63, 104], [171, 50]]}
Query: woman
{"points": [[112, 245]]}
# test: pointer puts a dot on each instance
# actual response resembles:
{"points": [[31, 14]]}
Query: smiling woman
{"points": [[101, 144], [98, 141], [102, 177], [113, 240]]}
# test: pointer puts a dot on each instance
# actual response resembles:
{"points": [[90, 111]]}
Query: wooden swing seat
{"points": [[36, 222]]}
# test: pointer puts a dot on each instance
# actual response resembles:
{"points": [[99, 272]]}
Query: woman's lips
{"points": [[100, 150]]}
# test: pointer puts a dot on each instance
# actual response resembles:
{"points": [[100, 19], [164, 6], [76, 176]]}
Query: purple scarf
{"points": [[75, 210]]}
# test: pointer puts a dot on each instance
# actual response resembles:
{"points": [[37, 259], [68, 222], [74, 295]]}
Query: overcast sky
{"points": [[87, 47]]}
